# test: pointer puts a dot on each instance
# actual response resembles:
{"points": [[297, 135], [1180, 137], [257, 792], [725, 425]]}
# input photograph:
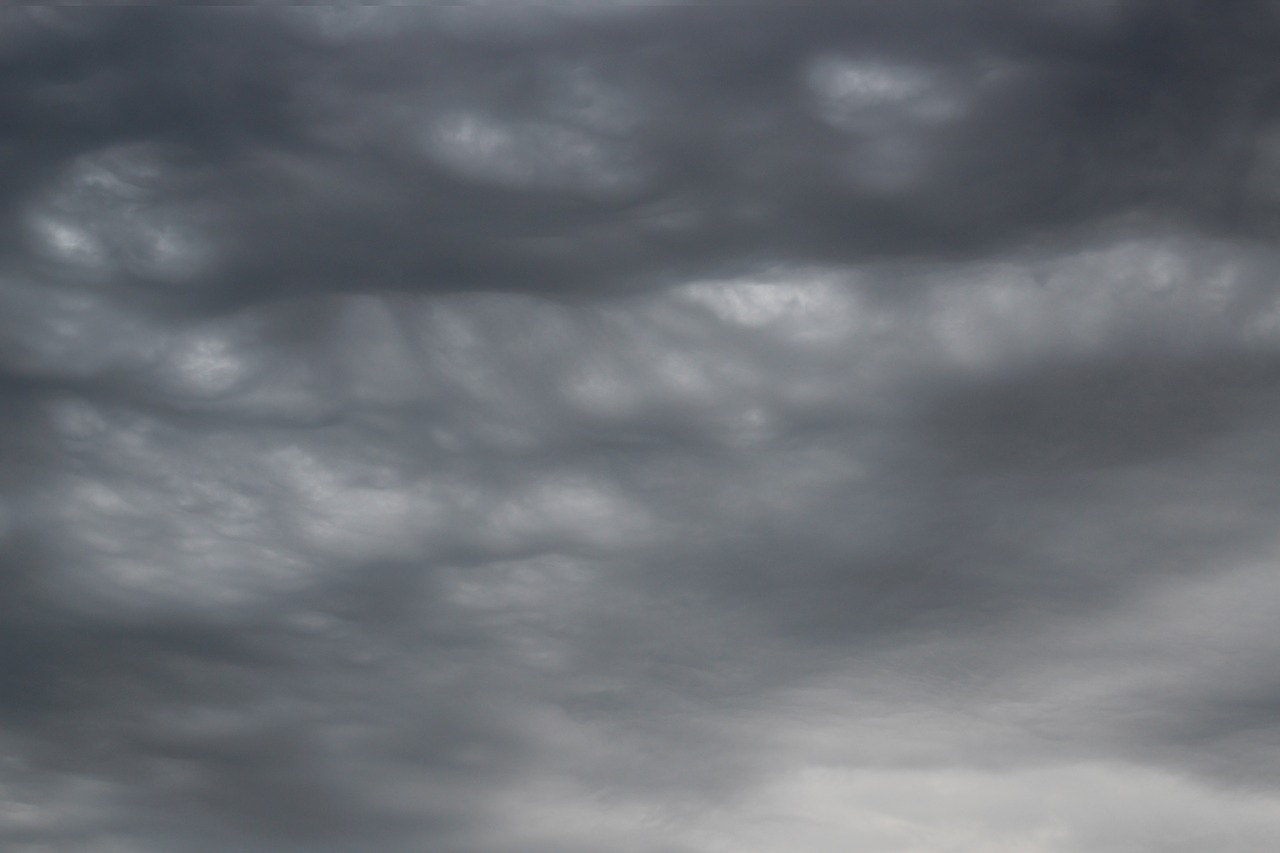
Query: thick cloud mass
{"points": [[482, 428]]}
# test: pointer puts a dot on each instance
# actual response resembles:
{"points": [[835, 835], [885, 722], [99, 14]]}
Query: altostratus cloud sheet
{"points": [[653, 428]]}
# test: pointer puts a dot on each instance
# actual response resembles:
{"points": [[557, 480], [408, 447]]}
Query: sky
{"points": [[491, 427]]}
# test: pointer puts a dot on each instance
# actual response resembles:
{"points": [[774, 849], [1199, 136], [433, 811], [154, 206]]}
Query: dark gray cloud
{"points": [[665, 429], [254, 153]]}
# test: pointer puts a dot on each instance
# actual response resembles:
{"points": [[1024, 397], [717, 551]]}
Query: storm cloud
{"points": [[679, 428]]}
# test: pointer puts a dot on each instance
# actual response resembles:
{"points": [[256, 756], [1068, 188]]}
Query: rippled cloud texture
{"points": [[644, 428]]}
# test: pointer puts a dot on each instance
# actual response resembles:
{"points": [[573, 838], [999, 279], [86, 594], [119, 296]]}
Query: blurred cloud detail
{"points": [[671, 428]]}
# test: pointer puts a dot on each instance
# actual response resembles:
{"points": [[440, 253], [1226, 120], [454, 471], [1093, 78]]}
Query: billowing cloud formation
{"points": [[669, 429]]}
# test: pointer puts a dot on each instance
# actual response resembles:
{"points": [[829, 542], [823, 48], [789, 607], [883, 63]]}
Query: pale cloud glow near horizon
{"points": [[685, 428]]}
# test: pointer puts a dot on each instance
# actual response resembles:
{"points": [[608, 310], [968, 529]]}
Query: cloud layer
{"points": [[668, 429]]}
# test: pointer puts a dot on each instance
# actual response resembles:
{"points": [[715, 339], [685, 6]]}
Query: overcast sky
{"points": [[608, 426]]}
